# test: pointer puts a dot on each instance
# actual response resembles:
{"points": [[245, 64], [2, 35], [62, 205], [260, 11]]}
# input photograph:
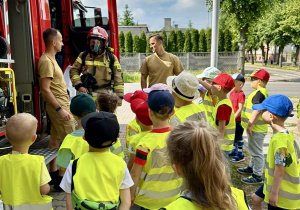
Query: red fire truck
{"points": [[22, 23]]}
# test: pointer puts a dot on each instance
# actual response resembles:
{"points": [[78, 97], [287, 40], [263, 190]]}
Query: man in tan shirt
{"points": [[54, 92], [160, 64]]}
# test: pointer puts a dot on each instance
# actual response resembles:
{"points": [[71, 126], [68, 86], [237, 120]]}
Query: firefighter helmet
{"points": [[98, 32]]}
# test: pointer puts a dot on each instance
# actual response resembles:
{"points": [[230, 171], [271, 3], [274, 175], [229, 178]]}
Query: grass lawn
{"points": [[292, 68]]}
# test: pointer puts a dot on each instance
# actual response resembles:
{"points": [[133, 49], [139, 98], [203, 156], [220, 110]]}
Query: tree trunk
{"points": [[241, 59], [267, 55], [254, 56], [262, 47], [296, 54], [280, 55]]}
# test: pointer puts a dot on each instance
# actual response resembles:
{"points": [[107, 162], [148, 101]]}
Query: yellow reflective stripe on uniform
{"points": [[164, 177], [286, 177], [229, 131], [75, 77], [258, 122], [209, 103], [284, 194], [79, 60], [119, 87], [158, 195], [47, 206]]}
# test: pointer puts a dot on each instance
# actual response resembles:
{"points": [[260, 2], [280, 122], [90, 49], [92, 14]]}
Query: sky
{"points": [[153, 12]]}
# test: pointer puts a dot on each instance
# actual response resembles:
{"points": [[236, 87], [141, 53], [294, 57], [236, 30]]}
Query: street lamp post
{"points": [[215, 34]]}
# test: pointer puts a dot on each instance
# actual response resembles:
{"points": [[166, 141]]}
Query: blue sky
{"points": [[153, 12]]}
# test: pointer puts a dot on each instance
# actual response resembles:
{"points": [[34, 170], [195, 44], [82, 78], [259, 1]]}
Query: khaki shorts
{"points": [[59, 127]]}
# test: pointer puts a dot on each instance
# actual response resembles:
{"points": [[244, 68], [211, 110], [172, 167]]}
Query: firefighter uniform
{"points": [[98, 67]]}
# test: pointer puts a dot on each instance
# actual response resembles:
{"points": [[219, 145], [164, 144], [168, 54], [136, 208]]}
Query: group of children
{"points": [[178, 150]]}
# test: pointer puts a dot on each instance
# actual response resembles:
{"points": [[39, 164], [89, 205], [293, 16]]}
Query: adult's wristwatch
{"points": [[59, 108]]}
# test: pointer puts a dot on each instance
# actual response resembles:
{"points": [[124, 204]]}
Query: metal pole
{"points": [[215, 34]]}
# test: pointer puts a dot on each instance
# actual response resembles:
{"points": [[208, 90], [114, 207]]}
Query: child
{"points": [[98, 177], [107, 101], [133, 128], [195, 155], [23, 177], [140, 108], [237, 98], [282, 172], [255, 127], [155, 183], [223, 115], [185, 90], [73, 146], [209, 100]]}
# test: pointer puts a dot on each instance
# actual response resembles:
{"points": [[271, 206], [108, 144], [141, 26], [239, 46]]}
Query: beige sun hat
{"points": [[185, 86]]}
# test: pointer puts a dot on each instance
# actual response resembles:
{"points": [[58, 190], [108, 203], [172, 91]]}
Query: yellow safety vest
{"points": [[20, 176], [209, 104], [98, 177], [186, 203], [134, 140], [75, 143], [131, 129], [289, 190], [191, 112], [158, 185], [227, 141], [117, 149], [259, 126]]}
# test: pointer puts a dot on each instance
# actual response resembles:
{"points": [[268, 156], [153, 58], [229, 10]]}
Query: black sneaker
{"points": [[245, 170], [253, 179], [57, 183], [232, 154]]}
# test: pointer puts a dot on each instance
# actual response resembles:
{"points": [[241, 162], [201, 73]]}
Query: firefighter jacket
{"points": [[98, 67]]}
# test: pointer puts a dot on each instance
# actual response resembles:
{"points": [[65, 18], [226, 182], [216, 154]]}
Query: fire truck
{"points": [[22, 23]]}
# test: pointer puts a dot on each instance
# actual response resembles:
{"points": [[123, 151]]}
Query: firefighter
{"points": [[99, 67]]}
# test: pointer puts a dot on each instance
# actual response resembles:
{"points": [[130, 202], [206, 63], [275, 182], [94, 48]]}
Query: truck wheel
{"points": [[3, 47]]}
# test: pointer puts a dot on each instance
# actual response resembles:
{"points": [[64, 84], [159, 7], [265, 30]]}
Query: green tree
{"points": [[136, 44], [227, 40], [290, 24], [172, 41], [243, 14], [202, 41], [221, 43], [208, 39], [121, 42], [148, 49], [165, 39], [143, 42], [187, 42], [195, 40], [127, 19], [179, 41], [128, 42]]}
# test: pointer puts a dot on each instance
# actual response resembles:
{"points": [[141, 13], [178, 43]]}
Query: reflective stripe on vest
{"points": [[208, 104], [117, 149], [191, 112], [289, 189], [259, 125], [229, 134], [158, 184], [46, 206]]}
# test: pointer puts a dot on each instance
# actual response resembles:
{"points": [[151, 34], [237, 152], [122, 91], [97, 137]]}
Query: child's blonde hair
{"points": [[163, 114], [20, 128], [107, 101], [194, 147]]}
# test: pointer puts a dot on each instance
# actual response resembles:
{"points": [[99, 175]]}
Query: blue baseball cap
{"points": [[159, 98], [276, 104]]}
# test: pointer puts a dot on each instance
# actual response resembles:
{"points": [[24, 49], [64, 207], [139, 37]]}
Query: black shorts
{"points": [[239, 130]]}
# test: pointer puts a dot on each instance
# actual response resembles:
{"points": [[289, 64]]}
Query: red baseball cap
{"points": [[141, 111], [134, 103], [224, 80], [137, 94], [261, 74]]}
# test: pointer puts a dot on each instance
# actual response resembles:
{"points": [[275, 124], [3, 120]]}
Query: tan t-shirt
{"points": [[158, 68], [48, 67]]}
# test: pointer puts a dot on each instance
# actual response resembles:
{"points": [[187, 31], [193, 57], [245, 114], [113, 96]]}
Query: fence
{"points": [[190, 61]]}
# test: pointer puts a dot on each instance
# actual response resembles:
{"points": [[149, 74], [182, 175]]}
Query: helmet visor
{"points": [[97, 46]]}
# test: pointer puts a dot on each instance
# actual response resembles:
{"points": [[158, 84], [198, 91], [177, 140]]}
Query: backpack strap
{"points": [[111, 58], [74, 166]]}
